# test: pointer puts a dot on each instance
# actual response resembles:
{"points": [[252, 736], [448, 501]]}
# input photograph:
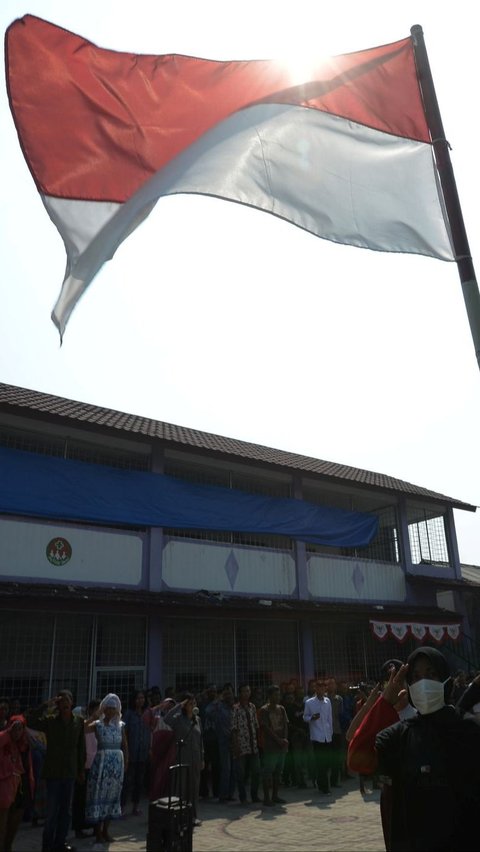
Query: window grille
{"points": [[274, 542], [32, 442], [428, 541], [201, 474], [260, 485], [26, 641], [266, 653], [37, 442], [197, 652], [72, 654], [112, 457], [349, 652], [225, 478], [41, 653], [384, 548], [123, 682], [118, 646]]}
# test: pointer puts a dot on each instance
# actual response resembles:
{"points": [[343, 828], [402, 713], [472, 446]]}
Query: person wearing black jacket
{"points": [[431, 760]]}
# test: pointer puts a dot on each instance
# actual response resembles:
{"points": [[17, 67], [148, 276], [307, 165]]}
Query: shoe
{"points": [[278, 801], [98, 847], [197, 822], [338, 786], [325, 792], [243, 803], [267, 804], [255, 800]]}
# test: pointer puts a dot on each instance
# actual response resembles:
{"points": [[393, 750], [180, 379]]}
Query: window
{"points": [[428, 541]]}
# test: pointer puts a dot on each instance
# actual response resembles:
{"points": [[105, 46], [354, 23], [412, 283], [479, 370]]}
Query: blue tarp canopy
{"points": [[49, 487]]}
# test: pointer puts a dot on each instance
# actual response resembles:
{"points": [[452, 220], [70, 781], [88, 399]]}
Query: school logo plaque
{"points": [[59, 551]]}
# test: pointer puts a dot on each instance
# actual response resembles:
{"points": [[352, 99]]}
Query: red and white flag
{"points": [[344, 153]]}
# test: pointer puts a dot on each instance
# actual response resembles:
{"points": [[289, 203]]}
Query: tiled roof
{"points": [[14, 399]]}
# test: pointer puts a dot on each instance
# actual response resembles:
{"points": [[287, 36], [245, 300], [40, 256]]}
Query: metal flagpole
{"points": [[463, 257]]}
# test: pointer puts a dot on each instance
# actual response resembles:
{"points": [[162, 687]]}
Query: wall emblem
{"points": [[59, 551]]}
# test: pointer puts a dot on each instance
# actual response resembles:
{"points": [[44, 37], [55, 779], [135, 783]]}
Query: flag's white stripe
{"points": [[339, 180]]}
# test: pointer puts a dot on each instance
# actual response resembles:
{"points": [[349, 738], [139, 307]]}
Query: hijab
{"points": [[438, 663], [111, 700]]}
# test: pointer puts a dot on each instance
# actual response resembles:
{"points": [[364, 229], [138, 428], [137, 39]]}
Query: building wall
{"points": [[68, 553]]}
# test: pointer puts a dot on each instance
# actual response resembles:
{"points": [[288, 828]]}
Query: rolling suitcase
{"points": [[170, 819]]}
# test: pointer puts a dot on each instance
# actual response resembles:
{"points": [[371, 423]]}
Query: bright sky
{"points": [[226, 319]]}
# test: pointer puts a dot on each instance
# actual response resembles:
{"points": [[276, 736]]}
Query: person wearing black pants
{"points": [[318, 714]]}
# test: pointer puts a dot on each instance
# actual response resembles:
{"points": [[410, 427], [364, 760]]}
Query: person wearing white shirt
{"points": [[318, 714]]}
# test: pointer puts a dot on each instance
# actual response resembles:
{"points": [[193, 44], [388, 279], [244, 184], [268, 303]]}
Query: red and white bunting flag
{"points": [[419, 631], [379, 629], [344, 152], [436, 631], [400, 631], [453, 631]]}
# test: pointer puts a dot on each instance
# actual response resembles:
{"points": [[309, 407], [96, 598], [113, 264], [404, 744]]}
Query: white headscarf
{"points": [[111, 700]]}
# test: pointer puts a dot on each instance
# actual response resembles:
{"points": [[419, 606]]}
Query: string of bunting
{"points": [[401, 631]]}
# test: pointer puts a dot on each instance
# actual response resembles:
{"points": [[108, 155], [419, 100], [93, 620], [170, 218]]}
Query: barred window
{"points": [[118, 646], [33, 442], [197, 652], [244, 539], [41, 653], [70, 448], [385, 547], [428, 540]]}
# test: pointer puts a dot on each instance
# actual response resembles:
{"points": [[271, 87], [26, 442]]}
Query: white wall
{"points": [[98, 556], [225, 568], [355, 579]]}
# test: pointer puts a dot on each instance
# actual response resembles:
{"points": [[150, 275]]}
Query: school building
{"points": [[135, 552]]}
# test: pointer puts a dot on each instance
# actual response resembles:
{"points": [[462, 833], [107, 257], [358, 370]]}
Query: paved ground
{"points": [[346, 822]]}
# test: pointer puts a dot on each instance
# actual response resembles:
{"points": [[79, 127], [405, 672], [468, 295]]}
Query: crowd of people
{"points": [[63, 766]]}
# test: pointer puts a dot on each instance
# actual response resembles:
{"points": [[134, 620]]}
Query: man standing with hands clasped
{"points": [[318, 714]]}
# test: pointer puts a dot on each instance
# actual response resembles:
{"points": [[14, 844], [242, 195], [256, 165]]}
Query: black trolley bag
{"points": [[170, 819]]}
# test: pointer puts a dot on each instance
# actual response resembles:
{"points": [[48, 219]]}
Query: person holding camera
{"points": [[64, 763]]}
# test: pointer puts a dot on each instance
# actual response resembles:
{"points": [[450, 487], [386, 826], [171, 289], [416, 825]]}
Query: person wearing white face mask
{"points": [[432, 759]]}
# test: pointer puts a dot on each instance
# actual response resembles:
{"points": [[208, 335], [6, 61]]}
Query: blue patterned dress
{"points": [[105, 778]]}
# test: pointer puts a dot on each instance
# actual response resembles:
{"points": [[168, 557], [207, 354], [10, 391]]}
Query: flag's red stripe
{"points": [[95, 124]]}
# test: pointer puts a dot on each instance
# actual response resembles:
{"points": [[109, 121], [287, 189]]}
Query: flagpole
{"points": [[441, 147]]}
